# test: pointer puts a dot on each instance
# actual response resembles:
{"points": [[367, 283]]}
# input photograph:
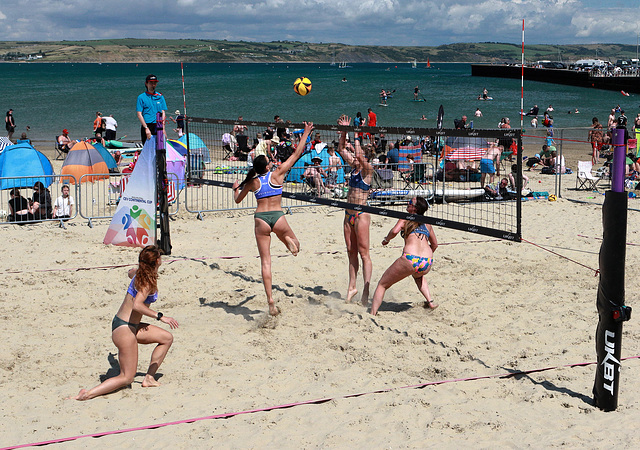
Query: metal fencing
{"points": [[46, 191]]}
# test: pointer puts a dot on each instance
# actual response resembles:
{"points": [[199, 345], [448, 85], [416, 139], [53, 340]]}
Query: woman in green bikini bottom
{"points": [[417, 256], [127, 331], [269, 217]]}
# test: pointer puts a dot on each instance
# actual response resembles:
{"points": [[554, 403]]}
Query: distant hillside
{"points": [[195, 50]]}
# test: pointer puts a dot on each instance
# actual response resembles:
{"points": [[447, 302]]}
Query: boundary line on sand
{"points": [[305, 402]]}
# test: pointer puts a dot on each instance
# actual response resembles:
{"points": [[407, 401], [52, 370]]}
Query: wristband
{"points": [[159, 316]]}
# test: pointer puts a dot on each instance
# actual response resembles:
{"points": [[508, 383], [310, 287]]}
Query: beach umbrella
{"points": [[5, 142], [106, 155], [465, 148], [23, 160], [197, 146], [176, 163], [179, 146], [84, 159]]}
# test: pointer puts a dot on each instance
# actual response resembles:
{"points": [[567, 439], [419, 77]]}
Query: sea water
{"points": [[50, 97]]}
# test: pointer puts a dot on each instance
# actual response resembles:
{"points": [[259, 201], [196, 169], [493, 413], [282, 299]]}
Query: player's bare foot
{"points": [[365, 297], [149, 381], [273, 309], [430, 305], [291, 245], [82, 395], [350, 294]]}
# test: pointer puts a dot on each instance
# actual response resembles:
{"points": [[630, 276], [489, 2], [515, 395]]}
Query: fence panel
{"points": [[50, 210]]}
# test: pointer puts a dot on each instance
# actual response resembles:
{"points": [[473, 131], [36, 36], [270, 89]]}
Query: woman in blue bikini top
{"points": [[356, 223], [127, 330], [417, 255], [268, 218]]}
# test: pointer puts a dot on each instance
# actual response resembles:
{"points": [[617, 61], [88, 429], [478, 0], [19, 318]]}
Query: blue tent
{"points": [[22, 160], [106, 155], [197, 146], [295, 175]]}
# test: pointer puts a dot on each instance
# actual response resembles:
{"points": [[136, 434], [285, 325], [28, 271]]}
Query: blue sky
{"points": [[359, 22]]}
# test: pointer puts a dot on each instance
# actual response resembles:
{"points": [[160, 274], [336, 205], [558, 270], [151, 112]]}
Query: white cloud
{"points": [[376, 22]]}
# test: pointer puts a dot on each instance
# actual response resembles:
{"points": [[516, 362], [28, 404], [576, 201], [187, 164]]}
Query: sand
{"points": [[504, 307]]}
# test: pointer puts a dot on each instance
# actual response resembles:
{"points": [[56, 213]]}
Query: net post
{"points": [[610, 299], [162, 182]]}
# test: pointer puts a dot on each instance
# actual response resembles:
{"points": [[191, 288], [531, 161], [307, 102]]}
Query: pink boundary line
{"points": [[204, 258], [305, 402]]}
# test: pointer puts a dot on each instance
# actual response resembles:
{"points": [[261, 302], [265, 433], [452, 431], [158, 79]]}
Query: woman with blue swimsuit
{"points": [[356, 223], [269, 218], [127, 331], [417, 256]]}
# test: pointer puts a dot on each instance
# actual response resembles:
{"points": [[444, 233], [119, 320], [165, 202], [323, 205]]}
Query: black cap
{"points": [[151, 78]]}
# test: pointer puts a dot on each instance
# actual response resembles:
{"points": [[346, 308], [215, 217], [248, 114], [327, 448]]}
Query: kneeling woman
{"points": [[417, 255], [269, 217], [127, 330]]}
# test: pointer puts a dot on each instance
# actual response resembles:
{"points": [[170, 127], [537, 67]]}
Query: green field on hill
{"points": [[202, 50]]}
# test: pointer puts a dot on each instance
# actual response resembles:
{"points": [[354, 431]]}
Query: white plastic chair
{"points": [[585, 179]]}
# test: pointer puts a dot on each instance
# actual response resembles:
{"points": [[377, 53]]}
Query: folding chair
{"points": [[584, 178], [228, 145], [309, 186], [61, 151]]}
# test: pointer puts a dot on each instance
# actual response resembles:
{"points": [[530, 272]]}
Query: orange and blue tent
{"points": [[84, 159]]}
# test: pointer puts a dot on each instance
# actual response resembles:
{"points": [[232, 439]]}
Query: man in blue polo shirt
{"points": [[149, 104]]}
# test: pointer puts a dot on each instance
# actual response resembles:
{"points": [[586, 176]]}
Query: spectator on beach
{"points": [[514, 174], [636, 123], [63, 207], [239, 129], [265, 145], [64, 142], [596, 138], [547, 120], [97, 124], [372, 118], [179, 121], [41, 206], [19, 208], [149, 104], [490, 163], [313, 174], [9, 124], [110, 126], [558, 163], [334, 164], [23, 139], [611, 120], [549, 139], [499, 191]]}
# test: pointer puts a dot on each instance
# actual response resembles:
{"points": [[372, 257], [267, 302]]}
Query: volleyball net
{"points": [[443, 166]]}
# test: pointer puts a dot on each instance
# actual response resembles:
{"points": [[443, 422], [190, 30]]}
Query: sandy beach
{"points": [[504, 307]]}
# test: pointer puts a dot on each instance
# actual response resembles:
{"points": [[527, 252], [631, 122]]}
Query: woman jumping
{"points": [[417, 255], [356, 223], [269, 217], [127, 331]]}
